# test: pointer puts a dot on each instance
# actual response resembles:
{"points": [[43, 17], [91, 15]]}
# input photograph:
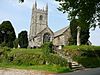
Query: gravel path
{"points": [[22, 72]]}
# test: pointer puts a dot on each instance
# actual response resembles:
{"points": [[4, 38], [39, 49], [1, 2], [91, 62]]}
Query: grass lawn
{"points": [[48, 68]]}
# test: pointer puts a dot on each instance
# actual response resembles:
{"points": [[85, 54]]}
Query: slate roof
{"points": [[61, 31]]}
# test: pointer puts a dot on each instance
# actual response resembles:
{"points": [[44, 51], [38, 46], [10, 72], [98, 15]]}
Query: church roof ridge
{"points": [[42, 31], [61, 31]]}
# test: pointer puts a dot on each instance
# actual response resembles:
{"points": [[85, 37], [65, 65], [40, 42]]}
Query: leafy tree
{"points": [[7, 33], [87, 11], [84, 35], [23, 39], [21, 0], [15, 43], [1, 36], [73, 28]]}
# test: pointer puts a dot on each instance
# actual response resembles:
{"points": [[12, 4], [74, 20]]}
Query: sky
{"points": [[19, 14]]}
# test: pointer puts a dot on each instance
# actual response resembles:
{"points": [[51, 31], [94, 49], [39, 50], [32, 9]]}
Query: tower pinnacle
{"points": [[47, 7], [35, 4]]}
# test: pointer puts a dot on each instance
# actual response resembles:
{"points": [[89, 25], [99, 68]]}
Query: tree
{"points": [[87, 11], [7, 33], [15, 43], [84, 33], [73, 30], [23, 39], [1, 36], [21, 0]]}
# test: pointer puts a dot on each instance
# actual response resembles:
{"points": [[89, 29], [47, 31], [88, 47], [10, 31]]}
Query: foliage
{"points": [[50, 58], [23, 39], [88, 56], [1, 37], [84, 35], [57, 60], [25, 57], [30, 57], [47, 68], [47, 48], [52, 68], [4, 54], [15, 43], [7, 33], [20, 56], [3, 44], [86, 11], [73, 28], [88, 62], [21, 0]]}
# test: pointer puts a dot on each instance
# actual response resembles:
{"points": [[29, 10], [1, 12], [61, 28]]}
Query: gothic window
{"points": [[41, 17], [46, 37]]}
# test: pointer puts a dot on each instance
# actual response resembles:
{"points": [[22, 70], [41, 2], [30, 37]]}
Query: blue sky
{"points": [[20, 16]]}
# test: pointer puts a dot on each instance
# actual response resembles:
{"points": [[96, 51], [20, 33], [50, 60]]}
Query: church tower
{"points": [[39, 20], [39, 30]]}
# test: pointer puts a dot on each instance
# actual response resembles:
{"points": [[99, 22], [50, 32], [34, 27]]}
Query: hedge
{"points": [[55, 59], [30, 57], [88, 56], [88, 62]]}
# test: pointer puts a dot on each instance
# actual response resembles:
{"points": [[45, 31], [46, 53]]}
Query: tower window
{"points": [[41, 17]]}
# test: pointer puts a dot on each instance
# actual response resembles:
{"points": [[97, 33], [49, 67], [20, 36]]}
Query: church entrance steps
{"points": [[72, 64]]}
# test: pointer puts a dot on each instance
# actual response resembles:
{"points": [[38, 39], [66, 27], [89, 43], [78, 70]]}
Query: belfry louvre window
{"points": [[41, 17]]}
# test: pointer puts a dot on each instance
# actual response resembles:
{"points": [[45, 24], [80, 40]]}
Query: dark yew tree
{"points": [[7, 33], [15, 43], [23, 39]]}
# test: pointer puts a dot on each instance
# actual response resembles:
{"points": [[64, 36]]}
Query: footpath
{"points": [[22, 72]]}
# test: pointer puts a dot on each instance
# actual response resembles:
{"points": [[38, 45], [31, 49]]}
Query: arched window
{"points": [[46, 37], [41, 17]]}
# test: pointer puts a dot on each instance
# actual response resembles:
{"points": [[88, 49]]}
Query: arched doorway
{"points": [[46, 37]]}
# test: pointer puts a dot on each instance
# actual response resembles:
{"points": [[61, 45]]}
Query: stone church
{"points": [[41, 33]]}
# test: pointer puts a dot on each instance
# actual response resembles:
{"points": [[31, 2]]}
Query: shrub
{"points": [[88, 62], [56, 60], [25, 57], [4, 54], [47, 48], [50, 58], [84, 50], [29, 57], [3, 44], [88, 56]]}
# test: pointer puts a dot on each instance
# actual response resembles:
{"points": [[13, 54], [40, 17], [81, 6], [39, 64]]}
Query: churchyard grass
{"points": [[30, 59]]}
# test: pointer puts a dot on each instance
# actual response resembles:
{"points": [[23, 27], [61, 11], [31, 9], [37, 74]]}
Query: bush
{"points": [[3, 44], [25, 57], [47, 48], [50, 58], [84, 50], [53, 59], [88, 62], [29, 57], [4, 54], [88, 56]]}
